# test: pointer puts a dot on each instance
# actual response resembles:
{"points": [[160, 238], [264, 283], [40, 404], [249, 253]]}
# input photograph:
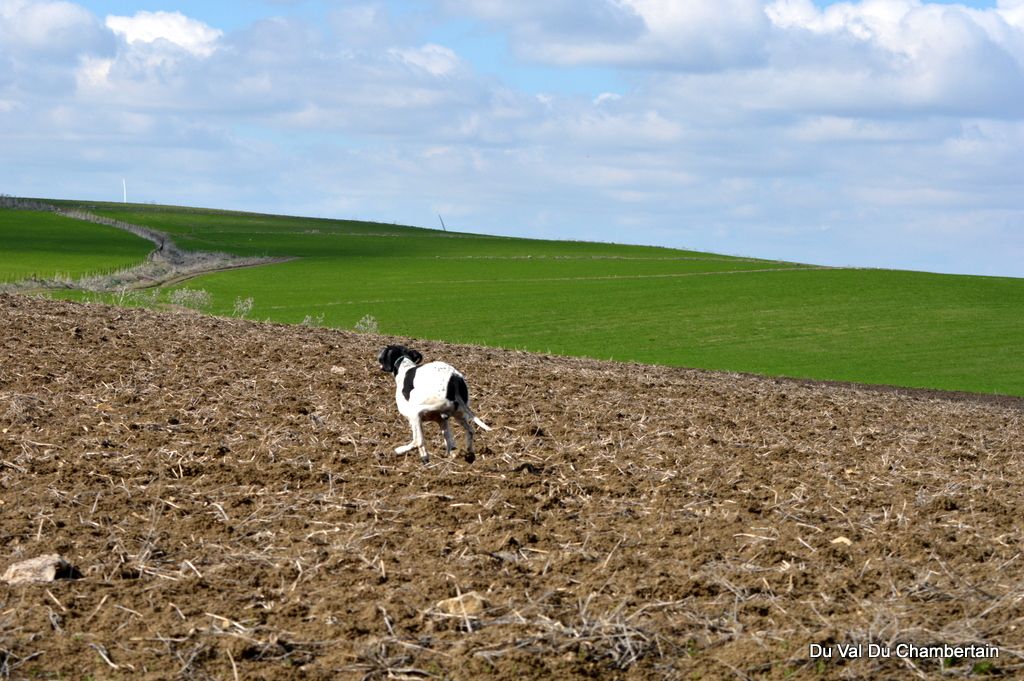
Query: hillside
{"points": [[228, 494], [600, 300]]}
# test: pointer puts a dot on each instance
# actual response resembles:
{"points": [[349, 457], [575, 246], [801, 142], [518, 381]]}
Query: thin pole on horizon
{"points": [[124, 190]]}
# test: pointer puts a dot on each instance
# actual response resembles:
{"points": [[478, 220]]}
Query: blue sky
{"points": [[877, 133]]}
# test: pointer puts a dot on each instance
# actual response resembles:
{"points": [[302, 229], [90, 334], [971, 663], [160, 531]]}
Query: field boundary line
{"points": [[608, 277], [594, 257]]}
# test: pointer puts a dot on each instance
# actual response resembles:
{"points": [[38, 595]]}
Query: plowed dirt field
{"points": [[228, 495]]}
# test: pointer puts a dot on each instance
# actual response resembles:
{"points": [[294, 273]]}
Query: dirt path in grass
{"points": [[165, 266], [148, 275], [182, 277], [229, 494]]}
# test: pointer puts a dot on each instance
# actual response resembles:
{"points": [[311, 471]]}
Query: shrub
{"points": [[196, 299], [368, 324], [243, 306], [141, 298], [310, 320]]}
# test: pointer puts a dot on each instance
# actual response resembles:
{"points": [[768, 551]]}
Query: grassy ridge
{"points": [[45, 245], [255, 234], [638, 303], [873, 326]]}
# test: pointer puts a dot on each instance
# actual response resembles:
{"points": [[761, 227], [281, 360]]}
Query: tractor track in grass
{"points": [[229, 495]]}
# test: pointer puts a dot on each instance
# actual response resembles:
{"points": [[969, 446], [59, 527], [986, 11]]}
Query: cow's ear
{"points": [[415, 356]]}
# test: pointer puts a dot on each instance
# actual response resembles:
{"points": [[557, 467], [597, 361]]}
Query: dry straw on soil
{"points": [[228, 492]]}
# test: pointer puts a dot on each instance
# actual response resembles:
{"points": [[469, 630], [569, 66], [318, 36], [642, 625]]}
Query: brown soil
{"points": [[229, 496]]}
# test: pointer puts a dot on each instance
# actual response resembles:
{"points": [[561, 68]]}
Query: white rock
{"points": [[39, 569], [470, 604]]}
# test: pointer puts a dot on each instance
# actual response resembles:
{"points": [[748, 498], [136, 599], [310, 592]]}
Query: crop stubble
{"points": [[229, 493]]}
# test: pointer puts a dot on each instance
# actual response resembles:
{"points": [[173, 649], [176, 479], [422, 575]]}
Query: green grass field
{"points": [[646, 304], [45, 245]]}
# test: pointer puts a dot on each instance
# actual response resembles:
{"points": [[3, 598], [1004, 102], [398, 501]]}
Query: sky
{"points": [[873, 133]]}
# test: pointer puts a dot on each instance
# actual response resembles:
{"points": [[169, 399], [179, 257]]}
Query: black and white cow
{"points": [[431, 392]]}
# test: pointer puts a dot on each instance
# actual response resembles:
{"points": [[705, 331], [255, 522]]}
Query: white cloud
{"points": [[849, 56], [722, 33], [369, 25], [599, 19], [916, 34], [93, 72], [49, 28], [40, 44], [683, 34], [832, 129], [189, 34], [1012, 11], [598, 128], [436, 60]]}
